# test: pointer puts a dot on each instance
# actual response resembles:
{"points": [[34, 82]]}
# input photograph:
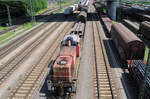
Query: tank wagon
{"points": [[68, 11], [129, 46], [145, 29]]}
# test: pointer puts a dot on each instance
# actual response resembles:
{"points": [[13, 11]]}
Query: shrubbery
{"points": [[18, 8]]}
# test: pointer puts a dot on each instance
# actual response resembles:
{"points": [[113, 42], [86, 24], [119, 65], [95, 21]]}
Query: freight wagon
{"points": [[137, 69], [145, 29], [129, 46], [68, 11], [107, 22]]}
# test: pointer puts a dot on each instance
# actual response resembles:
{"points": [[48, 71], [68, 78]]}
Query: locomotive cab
{"points": [[63, 69], [72, 40]]}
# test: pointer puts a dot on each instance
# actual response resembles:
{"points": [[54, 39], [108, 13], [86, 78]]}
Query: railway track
{"points": [[22, 39], [104, 86], [40, 16], [11, 65], [32, 80]]}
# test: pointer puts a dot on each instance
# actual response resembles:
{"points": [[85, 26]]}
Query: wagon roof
{"points": [[125, 33], [146, 23]]}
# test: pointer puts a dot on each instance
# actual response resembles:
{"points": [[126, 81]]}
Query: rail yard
{"points": [[80, 53]]}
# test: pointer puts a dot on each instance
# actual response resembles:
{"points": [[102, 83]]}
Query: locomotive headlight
{"points": [[49, 85], [48, 82], [70, 90]]}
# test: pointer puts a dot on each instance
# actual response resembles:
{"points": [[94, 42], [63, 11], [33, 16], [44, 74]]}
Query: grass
{"points": [[114, 22], [55, 5], [60, 10], [2, 28], [104, 10], [64, 2], [6, 35], [140, 2], [43, 10], [26, 26], [146, 53], [9, 87]]}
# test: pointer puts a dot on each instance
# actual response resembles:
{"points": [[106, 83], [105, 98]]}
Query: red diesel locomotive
{"points": [[61, 80]]}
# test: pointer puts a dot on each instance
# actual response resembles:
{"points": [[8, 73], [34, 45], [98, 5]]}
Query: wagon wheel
{"points": [[68, 96], [52, 97]]}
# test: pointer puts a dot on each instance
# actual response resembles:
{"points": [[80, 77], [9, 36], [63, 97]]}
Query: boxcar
{"points": [[129, 46]]}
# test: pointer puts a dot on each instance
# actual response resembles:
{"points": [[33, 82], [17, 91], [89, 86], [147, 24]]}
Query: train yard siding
{"points": [[123, 89], [124, 92], [85, 83], [16, 52], [28, 63], [100, 72]]}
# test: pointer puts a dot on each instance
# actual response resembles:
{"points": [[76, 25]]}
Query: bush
{"points": [[20, 8]]}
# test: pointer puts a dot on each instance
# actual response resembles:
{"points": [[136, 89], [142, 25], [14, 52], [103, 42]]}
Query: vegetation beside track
{"points": [[19, 8], [139, 2], [5, 38], [22, 8], [1, 27], [9, 36], [146, 53]]}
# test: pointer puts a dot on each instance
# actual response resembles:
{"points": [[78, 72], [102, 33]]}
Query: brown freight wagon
{"points": [[145, 29], [107, 22], [129, 46]]}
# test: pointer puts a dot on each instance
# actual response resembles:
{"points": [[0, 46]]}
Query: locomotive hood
{"points": [[62, 69]]}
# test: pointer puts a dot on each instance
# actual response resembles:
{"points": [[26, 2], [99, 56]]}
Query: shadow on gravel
{"points": [[130, 86], [111, 49], [127, 81], [89, 17], [59, 17], [107, 34], [44, 91]]}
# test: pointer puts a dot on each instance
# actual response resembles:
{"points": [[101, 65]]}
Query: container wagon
{"points": [[68, 11]]}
